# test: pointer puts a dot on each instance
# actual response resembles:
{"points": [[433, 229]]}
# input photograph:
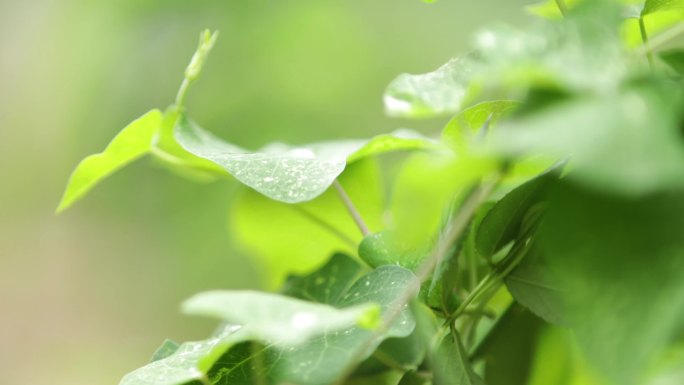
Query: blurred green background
{"points": [[88, 295]]}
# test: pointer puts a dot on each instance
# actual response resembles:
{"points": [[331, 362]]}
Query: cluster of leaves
{"points": [[552, 197]]}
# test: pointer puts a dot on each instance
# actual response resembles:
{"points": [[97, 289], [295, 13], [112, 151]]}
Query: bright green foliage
{"points": [[451, 273], [653, 6], [130, 144], [278, 319]]}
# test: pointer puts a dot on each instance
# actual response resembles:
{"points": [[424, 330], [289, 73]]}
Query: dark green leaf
{"points": [[451, 366], [504, 221], [508, 349], [619, 262], [134, 141], [675, 59]]}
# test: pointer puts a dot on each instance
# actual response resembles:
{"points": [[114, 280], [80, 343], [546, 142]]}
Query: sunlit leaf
{"points": [[653, 6], [286, 173], [134, 141]]}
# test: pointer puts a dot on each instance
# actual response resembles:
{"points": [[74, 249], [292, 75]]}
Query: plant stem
{"points": [[325, 225], [661, 39], [182, 91], [351, 208], [562, 7], [458, 226], [644, 39]]}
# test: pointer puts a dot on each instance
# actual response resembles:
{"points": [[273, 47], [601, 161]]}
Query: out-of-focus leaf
{"points": [[285, 173], [450, 364], [653, 6], [435, 180], [440, 92], [627, 143], [654, 23], [302, 236], [321, 360], [624, 257], [327, 284], [549, 8], [508, 349], [278, 319], [470, 122], [675, 59], [134, 141], [167, 348], [669, 369]]}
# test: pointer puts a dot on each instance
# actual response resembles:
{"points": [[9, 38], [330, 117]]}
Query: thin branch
{"points": [[351, 208], [661, 39], [424, 271], [325, 225], [562, 7], [644, 39]]}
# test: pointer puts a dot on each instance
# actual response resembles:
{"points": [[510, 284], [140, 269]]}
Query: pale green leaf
{"points": [[440, 92], [182, 366], [167, 348], [134, 141], [627, 143], [285, 173], [275, 318], [321, 360], [385, 248]]}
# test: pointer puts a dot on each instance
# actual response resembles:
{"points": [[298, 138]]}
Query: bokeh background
{"points": [[86, 296]]}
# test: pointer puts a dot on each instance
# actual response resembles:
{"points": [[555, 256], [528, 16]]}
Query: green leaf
{"points": [[385, 248], [450, 364], [131, 143], [534, 285], [321, 360], [285, 173], [325, 220], [508, 349], [167, 348], [440, 92], [503, 223], [474, 121], [549, 8], [275, 318], [233, 357], [182, 366], [653, 6], [627, 143], [675, 59], [619, 262]]}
